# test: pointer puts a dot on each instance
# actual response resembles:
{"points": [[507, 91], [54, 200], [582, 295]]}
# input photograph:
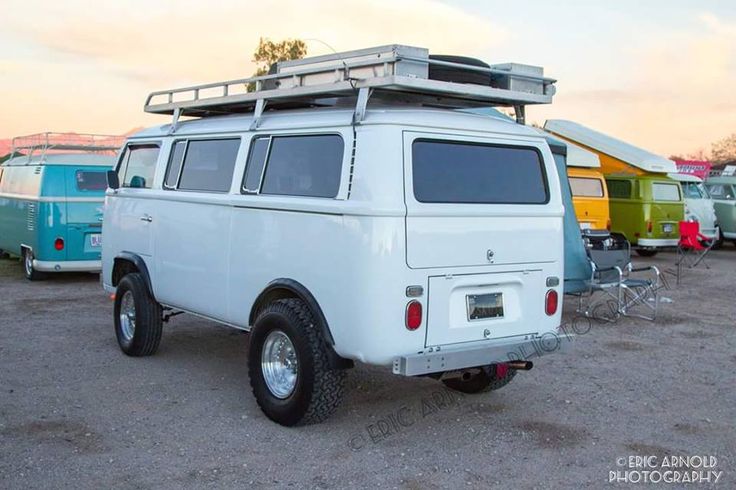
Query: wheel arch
{"points": [[283, 288], [127, 262]]}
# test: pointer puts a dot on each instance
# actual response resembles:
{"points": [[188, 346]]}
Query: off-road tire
{"points": [[484, 381], [28, 270], [148, 317], [646, 253], [319, 388]]}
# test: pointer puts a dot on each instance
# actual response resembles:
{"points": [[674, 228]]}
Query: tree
{"points": [[725, 150], [269, 52]]}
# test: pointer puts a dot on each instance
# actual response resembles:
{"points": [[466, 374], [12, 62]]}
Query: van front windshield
{"points": [[694, 190], [665, 192]]}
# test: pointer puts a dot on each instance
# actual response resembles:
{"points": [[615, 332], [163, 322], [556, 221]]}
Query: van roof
{"points": [[415, 117], [626, 152], [71, 159], [684, 177]]}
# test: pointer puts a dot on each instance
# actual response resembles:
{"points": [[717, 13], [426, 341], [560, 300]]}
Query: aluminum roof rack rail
{"points": [[69, 142], [392, 73]]}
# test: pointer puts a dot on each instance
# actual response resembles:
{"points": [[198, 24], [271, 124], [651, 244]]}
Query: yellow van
{"points": [[590, 198]]}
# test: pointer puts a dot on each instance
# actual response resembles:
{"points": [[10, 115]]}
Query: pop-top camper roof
{"points": [[577, 156], [392, 74], [628, 153]]}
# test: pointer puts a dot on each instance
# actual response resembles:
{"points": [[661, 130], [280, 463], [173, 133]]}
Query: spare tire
{"points": [[458, 75]]}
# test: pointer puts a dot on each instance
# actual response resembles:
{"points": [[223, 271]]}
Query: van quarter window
{"points": [[208, 165], [665, 192], [583, 187], [91, 181], [463, 172], [256, 161], [138, 165], [308, 166], [619, 188], [177, 157]]}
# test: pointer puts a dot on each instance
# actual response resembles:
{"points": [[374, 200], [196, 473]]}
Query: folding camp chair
{"points": [[692, 247], [612, 275]]}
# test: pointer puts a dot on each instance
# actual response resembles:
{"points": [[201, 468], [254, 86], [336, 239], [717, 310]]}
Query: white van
{"points": [[698, 204], [420, 238]]}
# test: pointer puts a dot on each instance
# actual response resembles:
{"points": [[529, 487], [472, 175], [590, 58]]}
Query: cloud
{"points": [[675, 95], [203, 41]]}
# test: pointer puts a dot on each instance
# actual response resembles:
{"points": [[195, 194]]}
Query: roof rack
{"points": [[392, 73], [68, 142]]}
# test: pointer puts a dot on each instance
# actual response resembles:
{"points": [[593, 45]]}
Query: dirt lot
{"points": [[75, 412]]}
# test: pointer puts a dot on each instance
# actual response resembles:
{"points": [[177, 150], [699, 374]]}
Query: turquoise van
{"points": [[51, 207]]}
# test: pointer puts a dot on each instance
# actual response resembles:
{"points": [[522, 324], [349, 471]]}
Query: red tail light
{"points": [[59, 244], [608, 225], [550, 302], [413, 315], [650, 227]]}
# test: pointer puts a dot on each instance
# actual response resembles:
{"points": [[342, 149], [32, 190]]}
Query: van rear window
{"points": [[586, 187], [473, 173], [665, 192], [91, 181]]}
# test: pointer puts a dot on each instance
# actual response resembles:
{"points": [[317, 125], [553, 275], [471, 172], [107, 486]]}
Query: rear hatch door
{"points": [[474, 202], [85, 194]]}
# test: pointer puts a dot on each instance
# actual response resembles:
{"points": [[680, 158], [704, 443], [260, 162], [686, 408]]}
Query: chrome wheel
{"points": [[279, 364], [28, 262], [127, 315]]}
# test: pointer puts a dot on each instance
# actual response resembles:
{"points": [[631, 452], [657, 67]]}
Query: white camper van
{"points": [[361, 218], [698, 204]]}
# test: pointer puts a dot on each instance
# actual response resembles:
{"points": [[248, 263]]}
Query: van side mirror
{"points": [[113, 181]]}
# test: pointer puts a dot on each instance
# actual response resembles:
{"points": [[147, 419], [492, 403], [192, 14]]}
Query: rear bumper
{"points": [[729, 235], [451, 359], [657, 242], [68, 266]]}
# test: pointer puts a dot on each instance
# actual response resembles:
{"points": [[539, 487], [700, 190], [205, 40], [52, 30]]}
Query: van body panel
{"points": [[639, 216], [722, 190], [356, 253], [40, 203], [591, 211]]}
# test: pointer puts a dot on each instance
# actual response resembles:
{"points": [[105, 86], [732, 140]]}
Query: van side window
{"points": [[138, 165], [477, 173], [91, 181], [619, 189], [256, 162], [175, 161], [721, 191], [208, 165], [308, 166]]}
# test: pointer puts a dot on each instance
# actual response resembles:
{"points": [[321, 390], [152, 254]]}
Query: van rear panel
{"points": [[483, 204]]}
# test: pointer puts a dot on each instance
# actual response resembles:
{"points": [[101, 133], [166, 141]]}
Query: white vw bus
{"points": [[402, 233]]}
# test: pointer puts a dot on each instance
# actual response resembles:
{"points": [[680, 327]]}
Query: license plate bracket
{"points": [[484, 306]]}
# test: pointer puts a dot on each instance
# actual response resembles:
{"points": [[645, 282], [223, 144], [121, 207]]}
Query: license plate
{"points": [[585, 226], [95, 240], [667, 228], [482, 306]]}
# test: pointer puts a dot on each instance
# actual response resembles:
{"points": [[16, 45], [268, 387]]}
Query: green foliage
{"points": [[269, 52]]}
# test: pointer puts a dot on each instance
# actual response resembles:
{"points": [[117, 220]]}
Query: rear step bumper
{"points": [[68, 266], [450, 359]]}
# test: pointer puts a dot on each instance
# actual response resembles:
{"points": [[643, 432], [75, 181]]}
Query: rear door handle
{"points": [[147, 218]]}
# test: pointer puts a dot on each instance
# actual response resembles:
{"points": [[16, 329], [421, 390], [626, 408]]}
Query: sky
{"points": [[660, 74]]}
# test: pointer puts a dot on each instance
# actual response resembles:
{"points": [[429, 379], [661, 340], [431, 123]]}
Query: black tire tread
{"points": [[149, 318], [328, 383]]}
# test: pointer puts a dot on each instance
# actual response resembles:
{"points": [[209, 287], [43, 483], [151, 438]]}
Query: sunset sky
{"points": [[660, 74]]}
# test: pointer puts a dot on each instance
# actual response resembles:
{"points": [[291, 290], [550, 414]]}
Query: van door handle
{"points": [[146, 218]]}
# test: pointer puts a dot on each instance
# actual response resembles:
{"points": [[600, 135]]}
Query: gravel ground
{"points": [[75, 412]]}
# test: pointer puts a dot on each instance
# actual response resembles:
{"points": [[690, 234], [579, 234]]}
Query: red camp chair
{"points": [[693, 246]]}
